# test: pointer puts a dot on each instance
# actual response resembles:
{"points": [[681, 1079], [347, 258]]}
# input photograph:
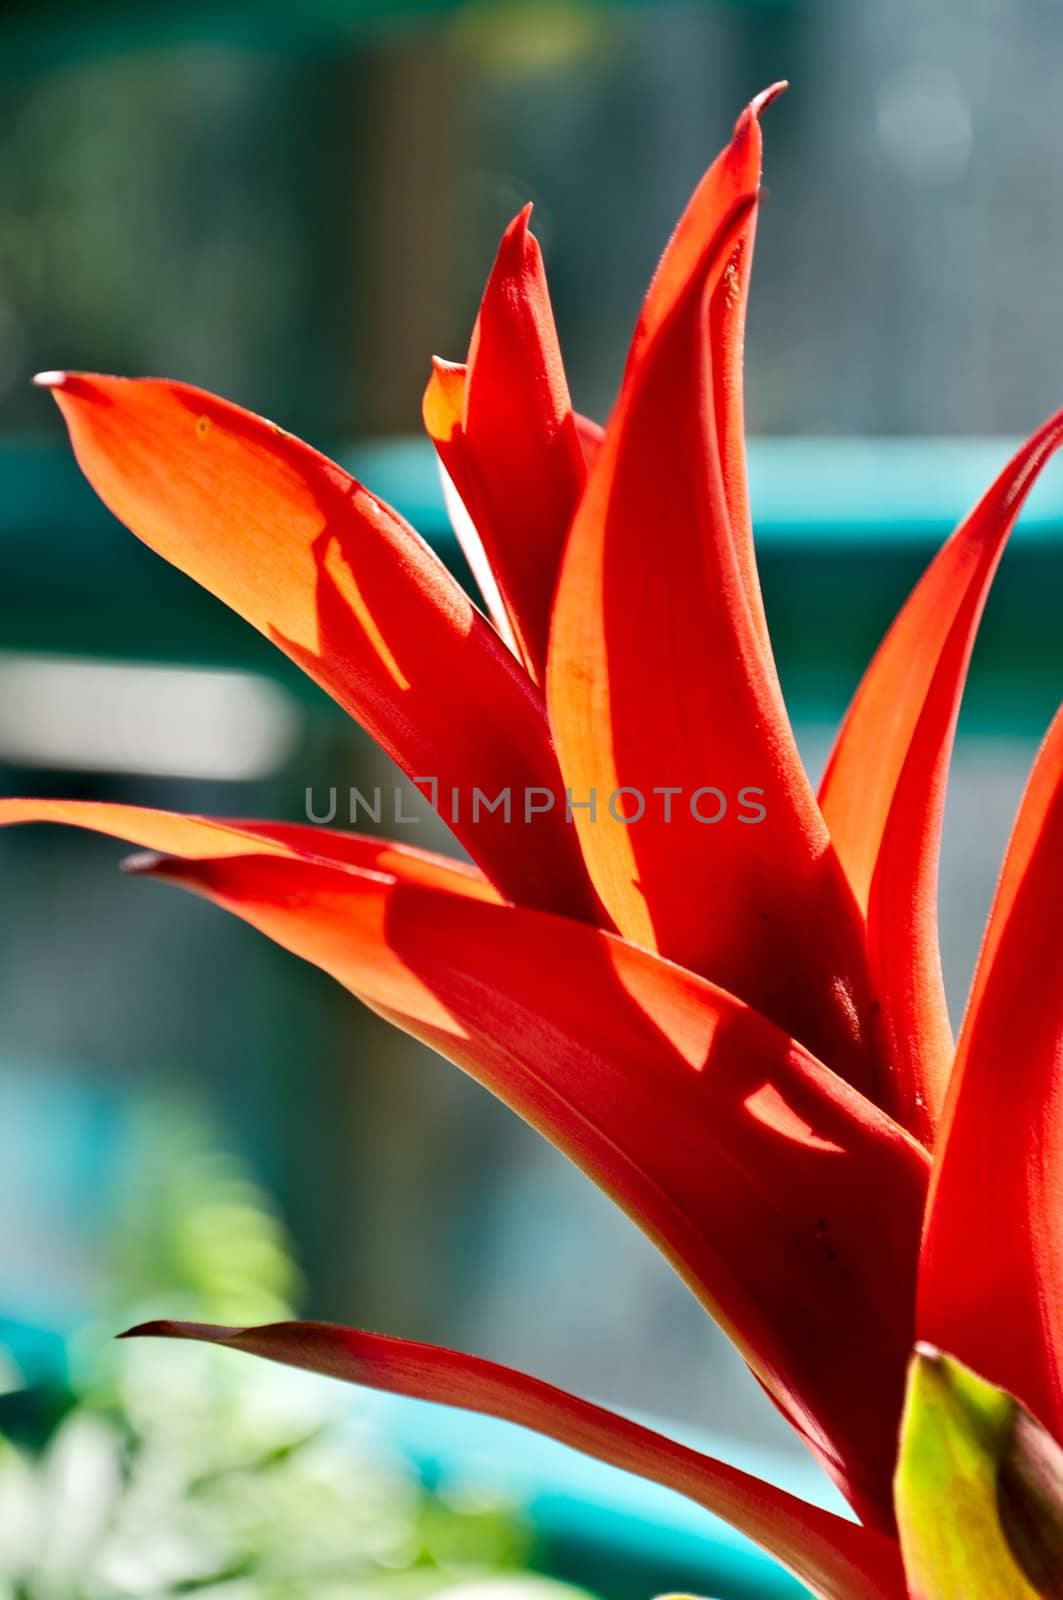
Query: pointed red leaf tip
{"points": [[883, 793], [164, 834], [675, 1099], [837, 1559], [507, 438], [735, 171], [346, 588], [726, 331], [661, 677], [991, 1275]]}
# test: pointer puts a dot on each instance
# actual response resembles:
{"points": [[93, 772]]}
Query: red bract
{"points": [[735, 1024]]}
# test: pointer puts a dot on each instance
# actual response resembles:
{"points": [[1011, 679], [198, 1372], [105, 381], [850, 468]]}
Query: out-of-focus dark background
{"points": [[296, 205]]}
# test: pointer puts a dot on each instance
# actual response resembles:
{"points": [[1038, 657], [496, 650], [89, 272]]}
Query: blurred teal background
{"points": [[296, 205]]}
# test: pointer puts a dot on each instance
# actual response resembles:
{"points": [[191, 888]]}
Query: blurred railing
{"points": [[844, 526]]}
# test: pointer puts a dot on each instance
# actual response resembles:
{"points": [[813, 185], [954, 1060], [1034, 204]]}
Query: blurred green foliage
{"points": [[191, 1228], [158, 1470]]}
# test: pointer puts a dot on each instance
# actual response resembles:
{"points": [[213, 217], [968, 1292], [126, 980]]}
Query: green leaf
{"points": [[979, 1490]]}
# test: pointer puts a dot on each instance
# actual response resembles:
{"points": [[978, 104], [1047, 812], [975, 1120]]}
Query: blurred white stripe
{"points": [[109, 716]]}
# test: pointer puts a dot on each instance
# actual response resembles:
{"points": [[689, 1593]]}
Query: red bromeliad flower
{"points": [[737, 1028]]}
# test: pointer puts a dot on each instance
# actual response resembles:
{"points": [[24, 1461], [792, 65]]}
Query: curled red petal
{"points": [[991, 1274], [883, 793], [443, 407], [838, 1559], [789, 1204], [349, 591], [507, 437]]}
